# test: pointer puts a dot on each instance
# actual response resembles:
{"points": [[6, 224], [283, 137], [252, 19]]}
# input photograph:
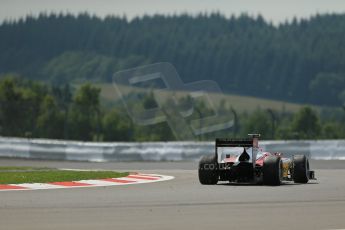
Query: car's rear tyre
{"points": [[272, 170], [208, 170], [300, 169]]}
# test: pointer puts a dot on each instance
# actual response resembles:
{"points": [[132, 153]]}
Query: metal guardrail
{"points": [[152, 151]]}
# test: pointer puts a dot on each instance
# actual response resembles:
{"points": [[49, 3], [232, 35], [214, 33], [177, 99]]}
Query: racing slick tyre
{"points": [[300, 169], [272, 170], [208, 170]]}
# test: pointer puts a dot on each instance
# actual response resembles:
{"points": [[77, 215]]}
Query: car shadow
{"points": [[256, 184]]}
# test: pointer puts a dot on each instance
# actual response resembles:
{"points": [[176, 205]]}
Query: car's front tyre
{"points": [[300, 169]]}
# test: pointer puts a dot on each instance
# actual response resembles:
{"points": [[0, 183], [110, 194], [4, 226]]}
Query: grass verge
{"points": [[18, 175]]}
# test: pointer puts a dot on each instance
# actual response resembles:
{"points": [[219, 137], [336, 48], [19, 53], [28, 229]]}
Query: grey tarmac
{"points": [[181, 203]]}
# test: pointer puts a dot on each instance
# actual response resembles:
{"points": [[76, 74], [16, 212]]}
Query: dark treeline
{"points": [[301, 61], [33, 109]]}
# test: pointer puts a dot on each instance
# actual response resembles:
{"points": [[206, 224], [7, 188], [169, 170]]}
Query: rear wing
{"points": [[234, 142], [239, 142]]}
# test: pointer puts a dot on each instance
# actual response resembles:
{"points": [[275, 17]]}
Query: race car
{"points": [[242, 161]]}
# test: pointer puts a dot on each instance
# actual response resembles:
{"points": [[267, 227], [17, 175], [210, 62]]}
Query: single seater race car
{"points": [[242, 161]]}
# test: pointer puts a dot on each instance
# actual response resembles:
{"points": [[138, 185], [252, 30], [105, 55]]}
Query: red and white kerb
{"points": [[130, 179]]}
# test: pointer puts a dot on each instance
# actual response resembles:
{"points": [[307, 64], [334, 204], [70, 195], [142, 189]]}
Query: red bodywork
{"points": [[259, 160]]}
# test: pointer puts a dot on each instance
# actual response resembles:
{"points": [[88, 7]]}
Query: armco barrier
{"points": [[152, 151]]}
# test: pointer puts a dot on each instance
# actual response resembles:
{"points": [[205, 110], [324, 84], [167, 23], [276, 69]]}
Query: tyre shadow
{"points": [[256, 185]]}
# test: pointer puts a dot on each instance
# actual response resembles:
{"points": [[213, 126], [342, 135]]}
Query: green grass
{"points": [[44, 175], [110, 97]]}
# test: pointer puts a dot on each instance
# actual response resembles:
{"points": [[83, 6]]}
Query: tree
{"points": [[327, 88], [50, 122], [20, 102], [245, 55], [12, 108], [332, 130], [116, 127], [259, 122], [306, 124], [155, 132], [84, 118]]}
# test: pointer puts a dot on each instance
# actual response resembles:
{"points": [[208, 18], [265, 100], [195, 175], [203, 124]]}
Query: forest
{"points": [[299, 61], [33, 109]]}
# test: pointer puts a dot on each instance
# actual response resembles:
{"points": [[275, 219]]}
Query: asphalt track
{"points": [[181, 203]]}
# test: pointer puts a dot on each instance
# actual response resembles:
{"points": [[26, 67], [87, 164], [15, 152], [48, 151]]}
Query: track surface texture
{"points": [[181, 203]]}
